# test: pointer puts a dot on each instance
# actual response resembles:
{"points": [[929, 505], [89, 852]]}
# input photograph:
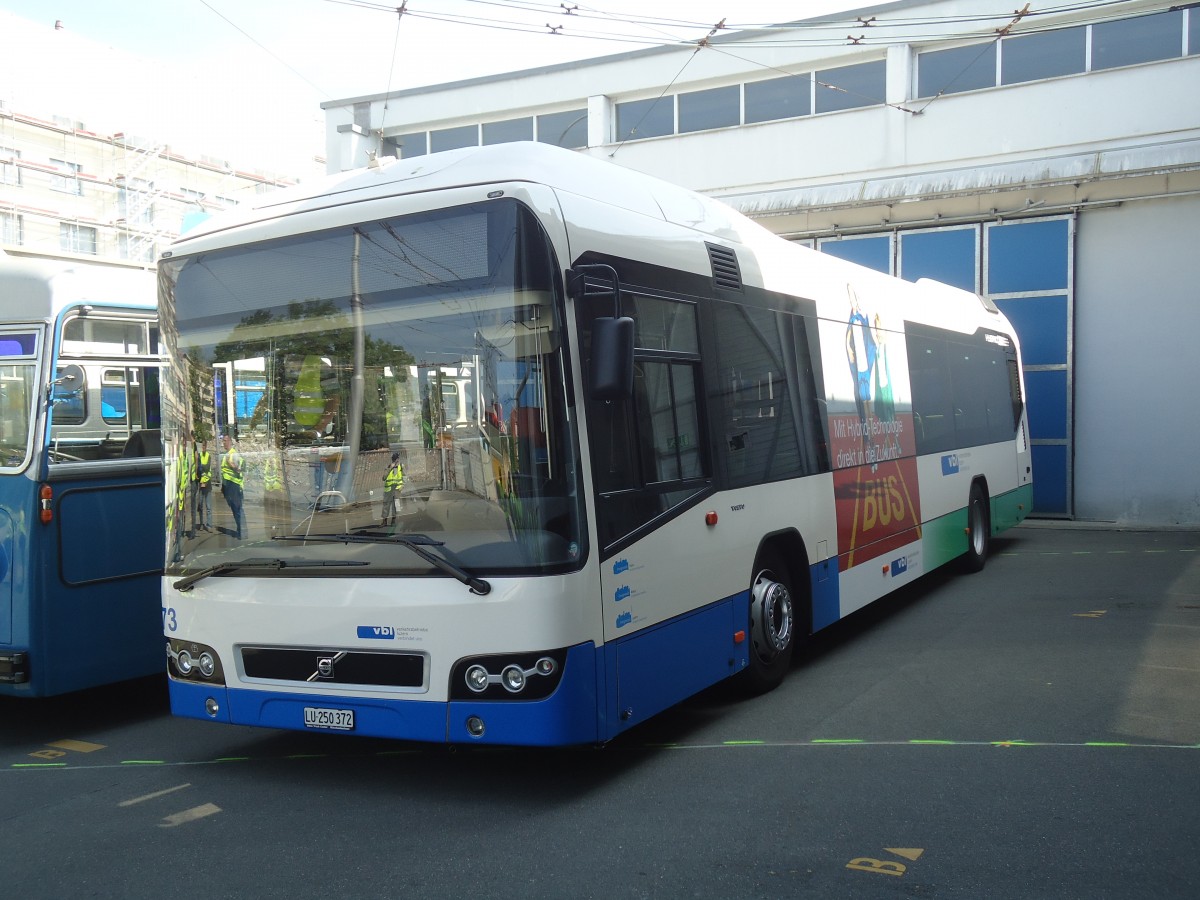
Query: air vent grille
{"points": [[726, 272]]}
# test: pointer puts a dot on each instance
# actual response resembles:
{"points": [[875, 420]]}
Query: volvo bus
{"points": [[81, 491], [646, 446]]}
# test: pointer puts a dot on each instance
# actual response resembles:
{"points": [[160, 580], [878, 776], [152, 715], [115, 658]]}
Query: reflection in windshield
{"points": [[16, 407], [404, 376]]}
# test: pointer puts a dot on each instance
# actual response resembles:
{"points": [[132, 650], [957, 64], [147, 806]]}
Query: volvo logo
{"points": [[325, 666]]}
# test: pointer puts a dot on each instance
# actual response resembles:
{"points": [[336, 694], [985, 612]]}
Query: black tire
{"points": [[979, 531], [774, 620]]}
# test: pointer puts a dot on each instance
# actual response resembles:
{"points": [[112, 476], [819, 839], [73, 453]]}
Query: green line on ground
{"points": [[39, 765]]}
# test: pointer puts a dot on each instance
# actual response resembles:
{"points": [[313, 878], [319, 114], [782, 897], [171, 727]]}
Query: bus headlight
{"points": [[513, 676], [513, 679], [477, 679], [190, 661]]}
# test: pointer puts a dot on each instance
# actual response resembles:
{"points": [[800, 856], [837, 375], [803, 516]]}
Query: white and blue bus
{"points": [[646, 446], [81, 509]]}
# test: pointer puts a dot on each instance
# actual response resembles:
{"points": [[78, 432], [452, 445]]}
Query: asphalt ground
{"points": [[1029, 731]]}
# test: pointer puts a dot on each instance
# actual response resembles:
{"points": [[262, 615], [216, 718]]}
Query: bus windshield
{"points": [[17, 395], [356, 392]]}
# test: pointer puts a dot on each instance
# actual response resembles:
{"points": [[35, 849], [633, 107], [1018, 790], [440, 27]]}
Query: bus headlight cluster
{"points": [[512, 677], [524, 676], [189, 661]]}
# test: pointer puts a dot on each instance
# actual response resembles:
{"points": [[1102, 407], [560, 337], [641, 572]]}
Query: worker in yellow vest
{"points": [[203, 474], [393, 483], [276, 508], [232, 484]]}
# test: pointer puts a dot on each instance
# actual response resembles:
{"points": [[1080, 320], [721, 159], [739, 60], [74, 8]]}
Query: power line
{"points": [[265, 49]]}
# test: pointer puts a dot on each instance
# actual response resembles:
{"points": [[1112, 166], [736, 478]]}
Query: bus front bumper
{"points": [[567, 717]]}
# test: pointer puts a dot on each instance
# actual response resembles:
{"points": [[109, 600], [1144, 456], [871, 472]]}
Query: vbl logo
{"points": [[899, 566], [950, 464], [377, 632]]}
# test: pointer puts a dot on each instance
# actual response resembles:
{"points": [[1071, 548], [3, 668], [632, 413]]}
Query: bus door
{"points": [[95, 555]]}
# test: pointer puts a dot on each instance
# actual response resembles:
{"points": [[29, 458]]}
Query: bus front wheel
{"points": [[978, 530], [772, 625]]}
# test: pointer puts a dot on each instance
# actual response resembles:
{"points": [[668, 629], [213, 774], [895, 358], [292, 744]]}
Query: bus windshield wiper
{"points": [[185, 584], [414, 542]]}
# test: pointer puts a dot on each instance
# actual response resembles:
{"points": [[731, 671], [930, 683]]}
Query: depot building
{"points": [[1046, 158]]}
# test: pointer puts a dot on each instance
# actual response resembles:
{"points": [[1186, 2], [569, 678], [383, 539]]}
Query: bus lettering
{"points": [[377, 632]]}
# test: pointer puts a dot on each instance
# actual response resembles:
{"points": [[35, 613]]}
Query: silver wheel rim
{"points": [[771, 617], [977, 528]]}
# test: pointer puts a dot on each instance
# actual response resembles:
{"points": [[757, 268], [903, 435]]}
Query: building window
{"points": [[948, 255], [1127, 42], [645, 118], [12, 229], [849, 87], [137, 249], [67, 178], [136, 203], [10, 172], [508, 131], [564, 129], [778, 98], [1193, 31], [76, 238], [874, 251], [956, 69], [1048, 54], [408, 145], [714, 108], [454, 138]]}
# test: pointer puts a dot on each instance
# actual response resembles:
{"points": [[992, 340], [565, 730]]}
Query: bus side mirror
{"points": [[612, 359], [610, 374], [70, 378]]}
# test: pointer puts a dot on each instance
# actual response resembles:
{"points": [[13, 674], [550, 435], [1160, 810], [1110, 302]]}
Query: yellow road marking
{"points": [[909, 853], [77, 746]]}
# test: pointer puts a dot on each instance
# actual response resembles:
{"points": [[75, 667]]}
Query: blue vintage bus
{"points": [[81, 486]]}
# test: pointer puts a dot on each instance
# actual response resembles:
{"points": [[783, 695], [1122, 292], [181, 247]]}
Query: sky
{"points": [[243, 80]]}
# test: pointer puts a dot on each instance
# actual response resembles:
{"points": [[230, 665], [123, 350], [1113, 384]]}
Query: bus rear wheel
{"points": [[978, 531], [772, 626]]}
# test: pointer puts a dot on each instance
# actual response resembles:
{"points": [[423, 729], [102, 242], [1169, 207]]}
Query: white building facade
{"points": [[1047, 158], [70, 193]]}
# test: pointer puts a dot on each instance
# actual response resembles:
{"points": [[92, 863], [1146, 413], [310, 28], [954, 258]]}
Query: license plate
{"points": [[334, 719]]}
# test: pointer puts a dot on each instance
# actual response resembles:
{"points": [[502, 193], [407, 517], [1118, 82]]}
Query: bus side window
{"points": [[770, 431], [649, 451]]}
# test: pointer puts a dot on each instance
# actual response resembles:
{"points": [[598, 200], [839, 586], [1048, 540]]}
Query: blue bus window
{"points": [[18, 345]]}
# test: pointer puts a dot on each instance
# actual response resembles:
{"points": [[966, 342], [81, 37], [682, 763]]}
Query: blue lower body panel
{"points": [[568, 716]]}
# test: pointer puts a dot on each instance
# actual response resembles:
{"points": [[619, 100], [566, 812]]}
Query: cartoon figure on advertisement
{"points": [[860, 353], [885, 403]]}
